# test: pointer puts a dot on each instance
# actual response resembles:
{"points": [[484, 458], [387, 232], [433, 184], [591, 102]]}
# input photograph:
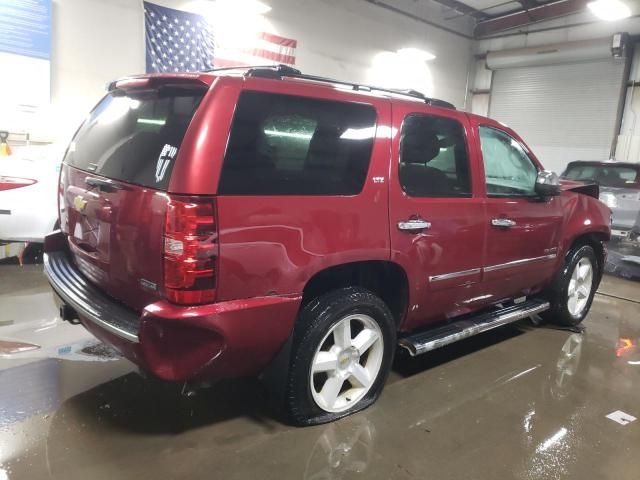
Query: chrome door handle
{"points": [[414, 224], [503, 222]]}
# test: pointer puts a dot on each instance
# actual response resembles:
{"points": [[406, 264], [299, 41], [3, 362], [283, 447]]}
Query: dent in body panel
{"points": [[273, 245], [582, 215]]}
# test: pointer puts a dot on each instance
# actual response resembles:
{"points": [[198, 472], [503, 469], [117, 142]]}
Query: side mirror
{"points": [[547, 184]]}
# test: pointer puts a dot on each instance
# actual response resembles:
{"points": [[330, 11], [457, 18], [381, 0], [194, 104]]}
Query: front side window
{"points": [[508, 170], [433, 157], [289, 145]]}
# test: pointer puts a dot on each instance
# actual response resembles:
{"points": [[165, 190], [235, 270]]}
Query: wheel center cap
{"points": [[347, 357]]}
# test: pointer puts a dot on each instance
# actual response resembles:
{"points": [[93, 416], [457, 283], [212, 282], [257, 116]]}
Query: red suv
{"points": [[261, 221]]}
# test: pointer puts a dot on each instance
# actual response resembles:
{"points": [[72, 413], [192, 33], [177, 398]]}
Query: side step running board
{"points": [[427, 340]]}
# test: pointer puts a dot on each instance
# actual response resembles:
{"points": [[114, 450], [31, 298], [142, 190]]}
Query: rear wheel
{"points": [[341, 355], [573, 289]]}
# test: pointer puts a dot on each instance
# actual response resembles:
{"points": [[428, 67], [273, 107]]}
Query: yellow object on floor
{"points": [[5, 149]]}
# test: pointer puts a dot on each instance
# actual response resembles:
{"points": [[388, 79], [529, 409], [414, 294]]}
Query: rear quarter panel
{"points": [[272, 245]]}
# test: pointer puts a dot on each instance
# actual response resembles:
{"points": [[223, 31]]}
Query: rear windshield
{"points": [[605, 175], [290, 145], [135, 136]]}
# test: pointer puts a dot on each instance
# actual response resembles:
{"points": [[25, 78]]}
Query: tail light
{"points": [[190, 250], [9, 183]]}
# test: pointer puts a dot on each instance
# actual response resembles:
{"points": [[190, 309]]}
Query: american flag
{"points": [[177, 41], [265, 48]]}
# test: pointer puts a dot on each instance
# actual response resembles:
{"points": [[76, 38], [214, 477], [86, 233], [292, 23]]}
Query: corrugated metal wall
{"points": [[564, 112]]}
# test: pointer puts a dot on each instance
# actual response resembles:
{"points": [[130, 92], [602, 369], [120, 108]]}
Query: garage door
{"points": [[564, 112]]}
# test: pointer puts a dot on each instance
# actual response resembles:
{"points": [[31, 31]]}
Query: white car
{"points": [[28, 193]]}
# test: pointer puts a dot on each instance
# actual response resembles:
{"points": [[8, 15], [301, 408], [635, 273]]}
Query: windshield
{"points": [[135, 136], [605, 175]]}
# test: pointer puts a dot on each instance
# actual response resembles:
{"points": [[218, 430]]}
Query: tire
{"points": [[572, 291], [351, 365]]}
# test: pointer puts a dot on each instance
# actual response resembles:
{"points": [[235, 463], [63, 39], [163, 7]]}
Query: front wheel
{"points": [[342, 352], [573, 289]]}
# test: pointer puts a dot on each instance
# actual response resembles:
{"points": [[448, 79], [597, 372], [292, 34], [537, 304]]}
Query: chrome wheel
{"points": [[346, 363], [580, 286]]}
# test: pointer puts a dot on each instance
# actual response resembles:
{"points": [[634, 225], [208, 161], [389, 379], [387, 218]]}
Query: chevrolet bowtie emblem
{"points": [[79, 203]]}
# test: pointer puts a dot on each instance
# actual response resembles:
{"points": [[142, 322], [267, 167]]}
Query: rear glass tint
{"points": [[606, 175], [135, 137], [289, 145]]}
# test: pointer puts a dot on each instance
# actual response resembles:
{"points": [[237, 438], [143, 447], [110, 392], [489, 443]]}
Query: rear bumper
{"points": [[179, 343], [95, 307], [620, 232]]}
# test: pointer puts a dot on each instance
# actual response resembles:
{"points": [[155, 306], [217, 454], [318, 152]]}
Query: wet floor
{"points": [[516, 403]]}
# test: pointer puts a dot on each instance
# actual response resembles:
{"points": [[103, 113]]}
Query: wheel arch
{"points": [[386, 279], [595, 240]]}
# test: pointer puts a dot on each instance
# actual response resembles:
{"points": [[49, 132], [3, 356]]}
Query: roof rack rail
{"points": [[275, 71], [235, 67], [280, 70]]}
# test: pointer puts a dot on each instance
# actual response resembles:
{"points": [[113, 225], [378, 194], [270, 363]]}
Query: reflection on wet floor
{"points": [[518, 402]]}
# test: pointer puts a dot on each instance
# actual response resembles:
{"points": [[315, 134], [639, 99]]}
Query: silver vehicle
{"points": [[619, 189]]}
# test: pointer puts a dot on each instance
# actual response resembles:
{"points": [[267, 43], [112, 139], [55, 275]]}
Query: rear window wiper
{"points": [[106, 185]]}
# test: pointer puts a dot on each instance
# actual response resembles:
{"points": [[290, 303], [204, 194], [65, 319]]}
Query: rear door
{"points": [[115, 175], [523, 231], [436, 212]]}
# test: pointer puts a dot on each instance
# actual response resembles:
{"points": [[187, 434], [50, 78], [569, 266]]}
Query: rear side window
{"points": [[135, 137], [433, 157], [289, 145]]}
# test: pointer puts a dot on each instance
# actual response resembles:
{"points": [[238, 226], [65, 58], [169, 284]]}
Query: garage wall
{"points": [[628, 143], [96, 41], [564, 112]]}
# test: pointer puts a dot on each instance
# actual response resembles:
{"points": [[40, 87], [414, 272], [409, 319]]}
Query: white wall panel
{"points": [[95, 41], [564, 112]]}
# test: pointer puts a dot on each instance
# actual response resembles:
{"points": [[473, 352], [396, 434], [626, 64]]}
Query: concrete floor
{"points": [[516, 403]]}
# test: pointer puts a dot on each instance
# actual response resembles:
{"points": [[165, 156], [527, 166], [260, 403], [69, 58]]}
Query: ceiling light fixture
{"points": [[609, 10]]}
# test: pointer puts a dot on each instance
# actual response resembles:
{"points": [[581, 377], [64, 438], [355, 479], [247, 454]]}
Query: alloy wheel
{"points": [[346, 363], [580, 286]]}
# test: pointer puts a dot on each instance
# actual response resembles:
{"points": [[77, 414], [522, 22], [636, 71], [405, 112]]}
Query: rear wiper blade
{"points": [[106, 185]]}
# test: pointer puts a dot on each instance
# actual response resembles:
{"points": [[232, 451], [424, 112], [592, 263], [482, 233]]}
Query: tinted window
{"points": [[433, 158], [135, 137], [605, 175], [288, 145], [508, 170]]}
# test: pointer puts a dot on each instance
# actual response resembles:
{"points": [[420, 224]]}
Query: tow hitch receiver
{"points": [[68, 314]]}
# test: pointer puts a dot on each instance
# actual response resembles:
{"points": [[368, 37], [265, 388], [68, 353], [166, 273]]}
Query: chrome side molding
{"points": [[448, 276], [517, 263], [491, 268]]}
